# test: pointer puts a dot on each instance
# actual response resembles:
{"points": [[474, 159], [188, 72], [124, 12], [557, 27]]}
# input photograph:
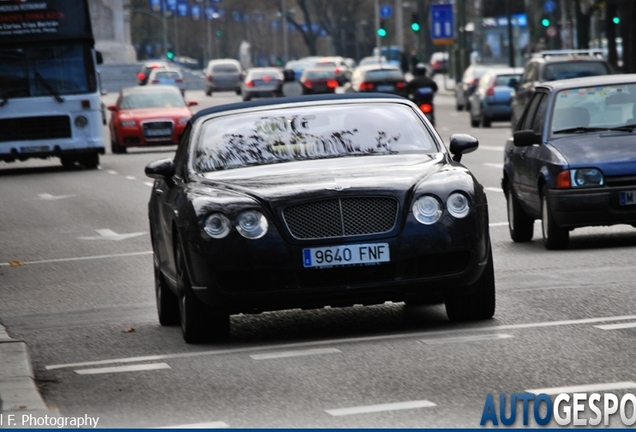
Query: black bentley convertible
{"points": [[330, 200]]}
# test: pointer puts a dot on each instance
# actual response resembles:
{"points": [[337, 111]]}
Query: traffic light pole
{"points": [[378, 39]]}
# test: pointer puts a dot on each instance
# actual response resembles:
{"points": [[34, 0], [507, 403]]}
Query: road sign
{"points": [[443, 25], [551, 32], [549, 6], [386, 11]]}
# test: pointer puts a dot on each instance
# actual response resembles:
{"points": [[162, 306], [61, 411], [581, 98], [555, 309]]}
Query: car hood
{"points": [[154, 113], [395, 174], [613, 153]]}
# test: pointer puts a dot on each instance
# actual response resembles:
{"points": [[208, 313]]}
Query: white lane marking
{"points": [[209, 425], [82, 258], [106, 234], [459, 339], [113, 172], [490, 148], [49, 197], [415, 335], [616, 326], [130, 178], [585, 388], [496, 224], [493, 165], [118, 369], [380, 408], [149, 184], [285, 354], [494, 189]]}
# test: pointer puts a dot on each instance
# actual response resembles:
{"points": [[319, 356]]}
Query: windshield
{"points": [[46, 70], [603, 107], [152, 99], [319, 132]]}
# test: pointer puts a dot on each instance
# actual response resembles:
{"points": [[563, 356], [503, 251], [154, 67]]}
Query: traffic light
{"points": [[545, 21], [382, 29], [616, 20], [415, 22], [170, 54]]}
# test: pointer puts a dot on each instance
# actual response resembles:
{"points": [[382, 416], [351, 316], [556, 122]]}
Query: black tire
{"points": [[473, 122], [90, 160], [115, 148], [554, 237], [199, 322], [246, 98], [167, 301], [484, 121], [479, 302], [459, 107], [238, 91], [208, 92], [68, 162], [520, 226]]}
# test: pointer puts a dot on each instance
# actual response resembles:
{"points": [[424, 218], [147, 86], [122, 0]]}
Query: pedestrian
{"points": [[404, 62], [414, 60]]}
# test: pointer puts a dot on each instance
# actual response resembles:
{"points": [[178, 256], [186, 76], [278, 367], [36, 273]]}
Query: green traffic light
{"points": [[415, 27], [616, 20], [170, 55], [381, 32], [545, 22]]}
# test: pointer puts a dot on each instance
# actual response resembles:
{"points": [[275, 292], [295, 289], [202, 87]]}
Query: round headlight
{"points": [[427, 210], [251, 224], [81, 121], [457, 205], [217, 226], [587, 177]]}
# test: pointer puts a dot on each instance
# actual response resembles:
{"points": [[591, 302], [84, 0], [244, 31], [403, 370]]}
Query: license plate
{"points": [[370, 253], [158, 132], [627, 197], [385, 88], [35, 149]]}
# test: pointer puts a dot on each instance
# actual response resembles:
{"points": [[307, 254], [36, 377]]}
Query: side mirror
{"points": [[160, 169], [526, 138], [460, 144], [112, 108], [99, 58], [193, 103]]}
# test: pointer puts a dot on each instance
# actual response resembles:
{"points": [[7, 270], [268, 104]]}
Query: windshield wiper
{"points": [[4, 96], [627, 128], [579, 129], [48, 87]]}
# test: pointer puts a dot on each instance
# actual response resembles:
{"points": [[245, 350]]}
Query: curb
{"points": [[18, 392]]}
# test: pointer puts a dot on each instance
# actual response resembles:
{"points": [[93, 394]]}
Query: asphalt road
{"points": [[83, 300]]}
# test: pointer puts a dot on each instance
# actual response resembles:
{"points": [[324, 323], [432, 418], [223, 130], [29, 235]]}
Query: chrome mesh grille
{"points": [[344, 217]]}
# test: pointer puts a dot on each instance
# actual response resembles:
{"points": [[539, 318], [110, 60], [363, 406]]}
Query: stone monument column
{"points": [[111, 27]]}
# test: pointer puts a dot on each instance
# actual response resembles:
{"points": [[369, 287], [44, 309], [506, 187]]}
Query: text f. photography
{"points": [[565, 409], [47, 421]]}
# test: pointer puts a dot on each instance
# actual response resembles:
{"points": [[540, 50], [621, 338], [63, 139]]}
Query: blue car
{"points": [[491, 99], [572, 159]]}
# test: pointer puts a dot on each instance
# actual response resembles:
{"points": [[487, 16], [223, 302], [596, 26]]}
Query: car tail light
{"points": [[563, 180], [367, 86], [141, 76], [210, 78], [332, 84], [307, 84], [337, 70], [267, 78], [435, 65], [179, 80], [400, 85], [250, 83], [475, 82], [491, 89], [426, 108], [155, 81]]}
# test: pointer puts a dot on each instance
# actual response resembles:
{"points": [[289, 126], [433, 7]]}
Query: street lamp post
{"points": [[283, 22]]}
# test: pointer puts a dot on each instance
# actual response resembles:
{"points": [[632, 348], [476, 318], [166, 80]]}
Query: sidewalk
{"points": [[18, 392]]}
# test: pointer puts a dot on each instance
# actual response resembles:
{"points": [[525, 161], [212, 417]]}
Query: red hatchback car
{"points": [[148, 116]]}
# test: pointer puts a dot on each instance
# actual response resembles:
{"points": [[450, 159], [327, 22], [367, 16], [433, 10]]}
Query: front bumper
{"points": [[591, 207], [427, 262], [134, 137]]}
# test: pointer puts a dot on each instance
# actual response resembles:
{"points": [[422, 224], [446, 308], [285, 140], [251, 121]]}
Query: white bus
{"points": [[50, 102]]}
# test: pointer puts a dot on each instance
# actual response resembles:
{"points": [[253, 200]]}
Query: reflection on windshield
{"points": [[593, 109], [318, 133], [45, 71]]}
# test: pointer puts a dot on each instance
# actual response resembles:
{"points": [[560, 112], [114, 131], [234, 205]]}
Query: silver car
{"points": [[223, 75], [262, 82]]}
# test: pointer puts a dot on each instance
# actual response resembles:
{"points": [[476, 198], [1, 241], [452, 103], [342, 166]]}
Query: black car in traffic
{"points": [[327, 200]]}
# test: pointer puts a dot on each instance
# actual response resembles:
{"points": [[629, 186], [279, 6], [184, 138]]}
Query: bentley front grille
{"points": [[341, 217]]}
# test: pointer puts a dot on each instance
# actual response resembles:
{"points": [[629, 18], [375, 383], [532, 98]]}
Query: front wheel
{"points": [[521, 226], [479, 302], [554, 237], [115, 148], [484, 122], [90, 160]]}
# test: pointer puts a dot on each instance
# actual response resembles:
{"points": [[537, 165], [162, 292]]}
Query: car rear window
{"points": [[274, 74], [504, 80], [167, 75], [321, 74], [567, 70], [384, 74], [308, 133], [225, 68]]}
